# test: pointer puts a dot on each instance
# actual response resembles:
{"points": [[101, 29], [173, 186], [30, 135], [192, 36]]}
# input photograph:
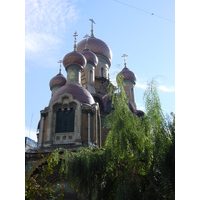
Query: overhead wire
{"points": [[151, 13]]}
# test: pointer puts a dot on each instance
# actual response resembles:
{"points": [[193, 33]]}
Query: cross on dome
{"points": [[75, 40], [124, 55], [86, 44], [60, 61], [92, 22]]}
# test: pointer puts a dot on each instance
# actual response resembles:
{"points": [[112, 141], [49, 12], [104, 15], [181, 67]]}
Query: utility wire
{"points": [[151, 13]]}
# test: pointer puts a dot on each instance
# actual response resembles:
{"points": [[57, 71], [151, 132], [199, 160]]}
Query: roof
{"points": [[79, 93]]}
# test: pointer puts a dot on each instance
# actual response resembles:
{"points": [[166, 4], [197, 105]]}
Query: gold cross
{"points": [[92, 22], [75, 35], [86, 44], [60, 61], [124, 55]]}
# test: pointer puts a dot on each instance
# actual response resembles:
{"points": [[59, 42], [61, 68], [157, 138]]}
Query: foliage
{"points": [[137, 162], [162, 139], [37, 186]]}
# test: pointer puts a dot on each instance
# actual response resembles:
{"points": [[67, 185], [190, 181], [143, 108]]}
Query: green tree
{"points": [[160, 177]]}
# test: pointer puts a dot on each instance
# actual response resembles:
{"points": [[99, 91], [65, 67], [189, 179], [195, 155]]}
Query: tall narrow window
{"points": [[91, 77], [65, 121], [101, 71], [132, 99]]}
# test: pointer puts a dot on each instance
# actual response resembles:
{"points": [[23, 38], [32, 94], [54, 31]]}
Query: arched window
{"points": [[90, 76], [132, 98], [65, 121], [101, 71]]}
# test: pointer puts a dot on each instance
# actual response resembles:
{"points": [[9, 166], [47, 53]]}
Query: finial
{"points": [[86, 44], [75, 35], [124, 55], [92, 22], [60, 61]]}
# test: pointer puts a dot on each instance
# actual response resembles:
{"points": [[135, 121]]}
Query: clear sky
{"points": [[144, 30]]}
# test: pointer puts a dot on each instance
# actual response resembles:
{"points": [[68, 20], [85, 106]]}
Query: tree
{"points": [[160, 177]]}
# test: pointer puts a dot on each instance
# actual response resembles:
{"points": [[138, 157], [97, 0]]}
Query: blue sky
{"points": [[127, 26]]}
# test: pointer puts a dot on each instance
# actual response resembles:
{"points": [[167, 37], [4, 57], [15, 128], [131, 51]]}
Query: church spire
{"points": [[60, 61], [92, 22], [124, 55], [75, 40]]}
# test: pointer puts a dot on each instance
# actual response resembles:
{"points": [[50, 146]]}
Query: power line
{"points": [[151, 13]]}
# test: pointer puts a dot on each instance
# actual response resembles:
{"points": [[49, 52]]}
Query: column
{"points": [[41, 132]]}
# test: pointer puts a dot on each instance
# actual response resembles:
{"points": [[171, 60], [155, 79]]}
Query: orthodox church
{"points": [[80, 100]]}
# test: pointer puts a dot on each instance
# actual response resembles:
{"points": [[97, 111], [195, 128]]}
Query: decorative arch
{"points": [[99, 101]]}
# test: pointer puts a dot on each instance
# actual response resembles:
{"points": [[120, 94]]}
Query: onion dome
{"points": [[79, 93], [74, 58], [58, 80], [97, 46], [90, 57], [128, 75]]}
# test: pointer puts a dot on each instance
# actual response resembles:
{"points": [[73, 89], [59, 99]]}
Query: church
{"points": [[80, 101]]}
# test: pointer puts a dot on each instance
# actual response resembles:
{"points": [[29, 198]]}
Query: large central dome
{"points": [[97, 46]]}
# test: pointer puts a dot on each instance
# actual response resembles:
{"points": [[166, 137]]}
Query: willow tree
{"points": [[139, 149], [128, 149], [162, 133]]}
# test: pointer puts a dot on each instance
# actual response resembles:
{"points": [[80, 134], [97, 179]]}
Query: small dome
{"points": [[79, 93], [90, 57], [97, 46], [74, 58], [58, 80], [128, 75]]}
